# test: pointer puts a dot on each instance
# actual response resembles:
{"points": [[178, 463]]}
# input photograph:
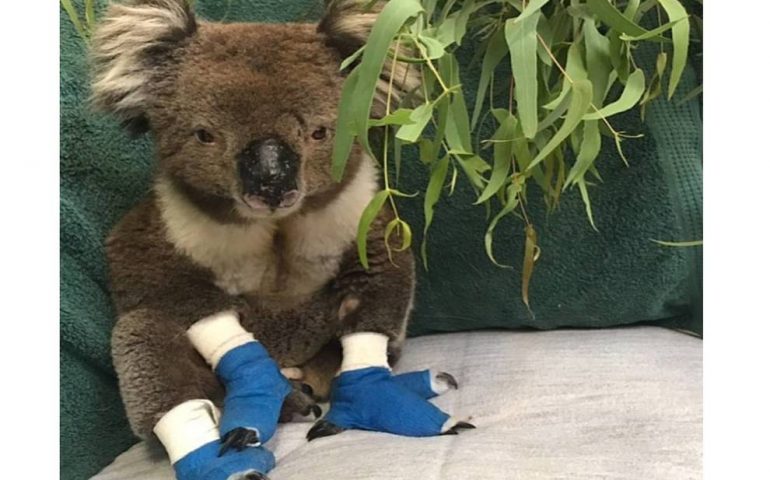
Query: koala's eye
{"points": [[319, 133], [204, 136]]}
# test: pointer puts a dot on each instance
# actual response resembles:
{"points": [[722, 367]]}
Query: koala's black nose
{"points": [[268, 170]]}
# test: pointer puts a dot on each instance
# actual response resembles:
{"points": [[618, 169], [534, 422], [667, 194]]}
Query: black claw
{"points": [[307, 389], [451, 431], [316, 411], [448, 379], [254, 476], [239, 438], [464, 425], [322, 428]]}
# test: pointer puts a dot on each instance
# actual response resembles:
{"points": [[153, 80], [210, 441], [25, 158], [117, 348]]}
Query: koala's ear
{"points": [[130, 47], [346, 25]]}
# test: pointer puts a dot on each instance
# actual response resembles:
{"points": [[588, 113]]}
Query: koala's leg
{"points": [[168, 389], [158, 368], [374, 310], [320, 370]]}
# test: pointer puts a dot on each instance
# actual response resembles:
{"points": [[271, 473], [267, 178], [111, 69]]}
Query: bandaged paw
{"points": [[254, 386], [367, 396], [205, 464], [190, 435], [373, 399]]}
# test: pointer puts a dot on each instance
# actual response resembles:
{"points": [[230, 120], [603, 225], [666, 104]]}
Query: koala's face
{"points": [[250, 117], [243, 114]]}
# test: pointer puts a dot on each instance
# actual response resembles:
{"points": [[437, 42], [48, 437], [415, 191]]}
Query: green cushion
{"points": [[583, 279]]}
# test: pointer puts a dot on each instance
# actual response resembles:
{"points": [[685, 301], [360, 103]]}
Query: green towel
{"points": [[583, 279]]}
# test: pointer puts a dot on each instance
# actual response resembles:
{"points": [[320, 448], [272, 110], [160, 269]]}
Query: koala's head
{"points": [[243, 114]]}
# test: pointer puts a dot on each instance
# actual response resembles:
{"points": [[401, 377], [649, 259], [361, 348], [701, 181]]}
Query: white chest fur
{"points": [[245, 258]]}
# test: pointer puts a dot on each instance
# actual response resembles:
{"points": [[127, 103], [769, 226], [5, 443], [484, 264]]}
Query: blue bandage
{"points": [[418, 382], [205, 464], [254, 390], [373, 399]]}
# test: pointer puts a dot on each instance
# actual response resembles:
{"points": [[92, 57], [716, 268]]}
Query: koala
{"points": [[244, 222]]}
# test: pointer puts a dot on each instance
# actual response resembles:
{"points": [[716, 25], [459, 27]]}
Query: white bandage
{"points": [[216, 335], [187, 427], [363, 350]]}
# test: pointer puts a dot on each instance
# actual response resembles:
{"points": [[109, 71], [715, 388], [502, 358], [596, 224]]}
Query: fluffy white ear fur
{"points": [[347, 24], [126, 47]]}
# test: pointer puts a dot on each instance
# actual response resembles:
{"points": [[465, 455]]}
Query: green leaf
{"points": [[503, 151], [74, 18], [532, 7], [610, 15], [397, 117], [351, 58], [344, 134], [496, 49], [432, 195], [458, 132], [389, 21], [619, 56], [90, 16], [631, 8], [598, 60], [510, 204], [433, 48], [628, 99], [404, 230], [531, 253], [582, 93], [419, 118], [367, 217], [656, 31], [445, 33], [474, 166], [576, 70], [581, 183], [692, 243], [522, 45], [680, 34], [589, 150]]}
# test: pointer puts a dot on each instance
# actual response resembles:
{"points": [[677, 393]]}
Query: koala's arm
{"points": [[378, 299], [159, 295]]}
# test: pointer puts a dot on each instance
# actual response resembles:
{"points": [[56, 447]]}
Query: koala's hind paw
{"points": [[299, 402], [239, 438], [323, 428]]}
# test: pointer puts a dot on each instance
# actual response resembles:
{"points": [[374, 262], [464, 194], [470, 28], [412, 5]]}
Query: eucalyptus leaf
{"points": [[628, 99], [503, 152], [432, 195], [680, 34], [418, 119], [610, 15], [371, 211], [522, 45], [582, 93], [511, 203]]}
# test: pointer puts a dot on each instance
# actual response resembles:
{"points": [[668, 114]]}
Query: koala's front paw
{"points": [[299, 402], [238, 439], [205, 464]]}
